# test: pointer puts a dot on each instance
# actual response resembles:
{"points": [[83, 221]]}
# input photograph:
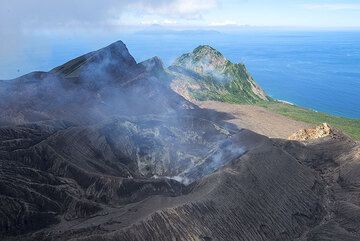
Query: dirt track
{"points": [[257, 119]]}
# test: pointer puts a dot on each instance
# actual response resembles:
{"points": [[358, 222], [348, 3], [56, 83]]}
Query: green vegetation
{"points": [[238, 90], [350, 126], [220, 79]]}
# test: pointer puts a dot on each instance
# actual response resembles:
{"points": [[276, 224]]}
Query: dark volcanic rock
{"points": [[104, 64], [101, 148], [105, 83]]}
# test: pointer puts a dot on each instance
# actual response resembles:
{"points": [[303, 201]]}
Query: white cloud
{"points": [[169, 21], [17, 16], [190, 9], [224, 23], [157, 21], [333, 6]]}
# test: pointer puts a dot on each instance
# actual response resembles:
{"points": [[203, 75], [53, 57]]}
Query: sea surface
{"points": [[315, 69]]}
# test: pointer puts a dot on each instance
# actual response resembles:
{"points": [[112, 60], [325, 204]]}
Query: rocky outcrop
{"points": [[320, 131]]}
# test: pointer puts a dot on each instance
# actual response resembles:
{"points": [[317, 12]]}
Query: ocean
{"points": [[319, 70]]}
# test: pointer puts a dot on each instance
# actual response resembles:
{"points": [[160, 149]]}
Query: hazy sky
{"points": [[304, 13], [63, 13], [19, 17]]}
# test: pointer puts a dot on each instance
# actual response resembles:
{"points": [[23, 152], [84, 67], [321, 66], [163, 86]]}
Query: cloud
{"points": [[20, 16], [189, 9], [159, 21], [332, 6], [57, 13], [224, 23], [64, 13]]}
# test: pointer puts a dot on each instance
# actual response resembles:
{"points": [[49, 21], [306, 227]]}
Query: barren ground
{"points": [[257, 119]]}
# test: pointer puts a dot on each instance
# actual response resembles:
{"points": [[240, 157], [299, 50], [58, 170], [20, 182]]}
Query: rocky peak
{"points": [[114, 59], [208, 52], [203, 60], [120, 49], [116, 52], [153, 64]]}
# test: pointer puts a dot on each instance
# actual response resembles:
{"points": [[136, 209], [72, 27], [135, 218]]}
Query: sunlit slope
{"points": [[205, 74]]}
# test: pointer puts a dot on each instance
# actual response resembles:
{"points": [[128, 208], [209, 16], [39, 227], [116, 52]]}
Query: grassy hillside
{"points": [[236, 91], [218, 78], [349, 126]]}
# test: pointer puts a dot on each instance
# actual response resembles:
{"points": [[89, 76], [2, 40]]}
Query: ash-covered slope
{"points": [[97, 132], [205, 74], [121, 156], [114, 60], [90, 88]]}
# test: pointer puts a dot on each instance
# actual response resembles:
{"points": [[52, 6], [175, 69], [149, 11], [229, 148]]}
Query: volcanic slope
{"points": [[101, 148]]}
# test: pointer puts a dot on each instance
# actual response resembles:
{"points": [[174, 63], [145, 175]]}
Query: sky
{"points": [[300, 13], [111, 13], [18, 18]]}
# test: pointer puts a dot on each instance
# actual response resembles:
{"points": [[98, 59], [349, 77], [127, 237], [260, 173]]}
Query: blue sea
{"points": [[315, 69]]}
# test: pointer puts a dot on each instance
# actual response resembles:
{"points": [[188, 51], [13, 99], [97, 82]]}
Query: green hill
{"points": [[205, 74]]}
